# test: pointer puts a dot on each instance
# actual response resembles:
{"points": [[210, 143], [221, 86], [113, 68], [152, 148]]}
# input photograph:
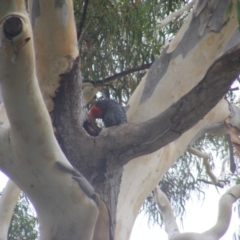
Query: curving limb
{"points": [[214, 233], [207, 166], [8, 202], [175, 14], [165, 208]]}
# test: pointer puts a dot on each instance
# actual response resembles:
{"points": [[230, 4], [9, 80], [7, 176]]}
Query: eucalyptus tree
{"points": [[91, 187]]}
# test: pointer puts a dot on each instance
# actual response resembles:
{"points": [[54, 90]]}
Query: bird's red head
{"points": [[95, 112]]}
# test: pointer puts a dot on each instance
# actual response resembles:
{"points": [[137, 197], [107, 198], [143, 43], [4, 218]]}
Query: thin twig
{"points": [[218, 184], [223, 172], [175, 14], [110, 79], [207, 166], [231, 154], [81, 23], [82, 33], [234, 89]]}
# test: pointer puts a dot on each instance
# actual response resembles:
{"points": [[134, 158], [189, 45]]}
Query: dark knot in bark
{"points": [[12, 27]]}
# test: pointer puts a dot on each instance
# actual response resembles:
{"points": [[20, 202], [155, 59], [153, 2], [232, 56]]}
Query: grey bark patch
{"points": [[201, 5], [160, 66], [64, 8], [213, 16], [219, 17], [157, 70], [59, 3], [190, 39], [234, 41], [64, 14], [36, 10]]}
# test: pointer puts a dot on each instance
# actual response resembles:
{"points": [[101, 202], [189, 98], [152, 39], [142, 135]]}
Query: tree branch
{"points": [[224, 214], [175, 14], [165, 208], [218, 184], [234, 89], [131, 140], [224, 217], [144, 138], [112, 78], [81, 23], [90, 88], [216, 232], [231, 154], [209, 171]]}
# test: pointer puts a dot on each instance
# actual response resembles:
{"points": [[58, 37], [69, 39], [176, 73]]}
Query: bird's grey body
{"points": [[113, 113]]}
